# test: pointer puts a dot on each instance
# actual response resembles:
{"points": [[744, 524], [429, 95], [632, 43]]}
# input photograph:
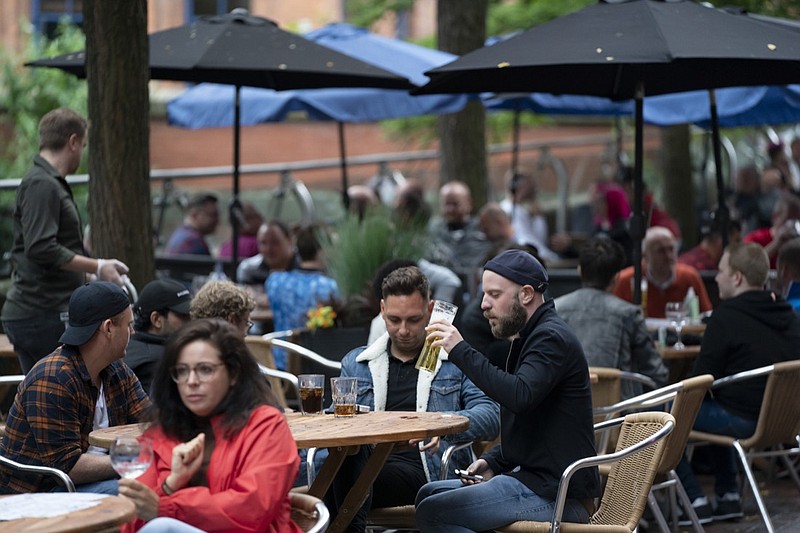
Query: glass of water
{"points": [[130, 456]]}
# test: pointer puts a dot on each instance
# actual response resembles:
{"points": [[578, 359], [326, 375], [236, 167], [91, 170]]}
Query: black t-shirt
{"points": [[401, 395]]}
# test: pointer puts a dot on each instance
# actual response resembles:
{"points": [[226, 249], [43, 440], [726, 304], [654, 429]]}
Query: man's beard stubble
{"points": [[509, 325]]}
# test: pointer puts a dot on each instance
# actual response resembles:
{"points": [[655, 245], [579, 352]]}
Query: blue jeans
{"points": [[35, 337], [713, 418], [450, 506]]}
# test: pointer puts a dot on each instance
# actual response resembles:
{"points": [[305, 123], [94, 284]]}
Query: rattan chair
{"points": [[686, 397], [607, 391], [640, 447], [62, 477], [309, 512], [262, 352], [778, 424]]}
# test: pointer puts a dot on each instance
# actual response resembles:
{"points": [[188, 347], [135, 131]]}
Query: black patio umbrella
{"points": [[245, 50], [626, 49]]}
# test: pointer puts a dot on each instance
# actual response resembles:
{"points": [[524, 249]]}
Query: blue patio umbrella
{"points": [[209, 105]]}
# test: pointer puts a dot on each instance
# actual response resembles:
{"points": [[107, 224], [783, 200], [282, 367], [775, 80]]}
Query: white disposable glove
{"points": [[111, 270]]}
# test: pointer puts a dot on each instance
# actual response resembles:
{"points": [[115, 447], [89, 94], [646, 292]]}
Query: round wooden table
{"points": [[109, 514]]}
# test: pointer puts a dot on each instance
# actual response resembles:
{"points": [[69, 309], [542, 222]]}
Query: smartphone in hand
{"points": [[463, 474]]}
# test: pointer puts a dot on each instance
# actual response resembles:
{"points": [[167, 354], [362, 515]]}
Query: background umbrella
{"points": [[245, 50], [626, 50], [206, 105]]}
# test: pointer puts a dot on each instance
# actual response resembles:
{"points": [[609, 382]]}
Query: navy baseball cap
{"points": [[163, 294], [520, 267], [89, 305]]}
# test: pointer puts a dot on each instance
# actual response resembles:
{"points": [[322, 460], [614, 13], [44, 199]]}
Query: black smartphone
{"points": [[470, 477]]}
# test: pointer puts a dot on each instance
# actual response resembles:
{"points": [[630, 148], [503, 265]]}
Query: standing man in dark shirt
{"points": [[545, 410], [47, 254], [162, 308]]}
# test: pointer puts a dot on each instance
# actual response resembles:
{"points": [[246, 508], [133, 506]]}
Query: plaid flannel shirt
{"points": [[53, 414]]}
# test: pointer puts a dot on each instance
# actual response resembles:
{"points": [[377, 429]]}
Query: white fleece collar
{"points": [[377, 359]]}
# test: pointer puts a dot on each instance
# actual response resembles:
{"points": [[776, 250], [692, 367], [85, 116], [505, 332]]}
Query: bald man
{"points": [[457, 240]]}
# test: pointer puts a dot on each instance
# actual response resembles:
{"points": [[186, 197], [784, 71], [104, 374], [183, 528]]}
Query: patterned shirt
{"points": [[53, 414]]}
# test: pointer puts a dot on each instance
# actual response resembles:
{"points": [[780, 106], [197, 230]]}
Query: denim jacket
{"points": [[446, 390]]}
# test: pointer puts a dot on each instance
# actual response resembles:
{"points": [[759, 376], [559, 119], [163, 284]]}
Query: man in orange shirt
{"points": [[667, 280]]}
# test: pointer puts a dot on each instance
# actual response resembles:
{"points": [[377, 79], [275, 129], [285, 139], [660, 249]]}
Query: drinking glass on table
{"points": [[343, 392], [430, 354], [676, 314], [311, 392], [130, 456]]}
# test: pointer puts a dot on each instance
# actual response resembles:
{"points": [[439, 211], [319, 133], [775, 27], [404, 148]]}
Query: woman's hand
{"points": [[142, 496], [187, 458]]}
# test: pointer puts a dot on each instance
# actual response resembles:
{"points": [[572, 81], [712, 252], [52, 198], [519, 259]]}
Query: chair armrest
{"points": [[46, 470], [305, 352], [280, 374], [448, 456], [638, 378], [747, 374], [587, 462]]}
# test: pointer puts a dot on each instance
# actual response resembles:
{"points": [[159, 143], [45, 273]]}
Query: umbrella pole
{"points": [[343, 166], [235, 208], [515, 142], [722, 209], [637, 222]]}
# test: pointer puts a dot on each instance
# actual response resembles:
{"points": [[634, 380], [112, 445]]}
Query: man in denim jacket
{"points": [[389, 381]]}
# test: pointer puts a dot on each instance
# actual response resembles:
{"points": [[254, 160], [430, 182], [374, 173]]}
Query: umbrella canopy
{"points": [[625, 50], [244, 50]]}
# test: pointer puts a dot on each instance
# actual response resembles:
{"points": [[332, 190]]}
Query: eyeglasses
{"points": [[203, 371], [250, 325]]}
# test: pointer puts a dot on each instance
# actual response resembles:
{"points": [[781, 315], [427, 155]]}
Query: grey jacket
{"points": [[613, 334]]}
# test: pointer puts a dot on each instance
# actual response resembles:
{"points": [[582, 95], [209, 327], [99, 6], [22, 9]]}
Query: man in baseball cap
{"points": [[545, 409], [162, 308], [82, 386]]}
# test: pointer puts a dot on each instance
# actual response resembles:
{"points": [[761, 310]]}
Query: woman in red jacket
{"points": [[223, 456]]}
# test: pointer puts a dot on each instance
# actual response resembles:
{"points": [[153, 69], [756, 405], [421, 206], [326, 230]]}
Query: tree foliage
{"points": [[28, 93]]}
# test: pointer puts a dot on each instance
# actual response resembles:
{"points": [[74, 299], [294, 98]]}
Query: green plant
{"points": [[356, 248]]}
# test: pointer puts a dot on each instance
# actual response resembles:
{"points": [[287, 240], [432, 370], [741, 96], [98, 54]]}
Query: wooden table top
{"points": [[6, 348], [689, 352], [325, 430], [111, 512], [689, 329]]}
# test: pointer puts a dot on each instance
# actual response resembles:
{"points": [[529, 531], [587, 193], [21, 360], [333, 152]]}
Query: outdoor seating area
{"points": [[430, 265]]}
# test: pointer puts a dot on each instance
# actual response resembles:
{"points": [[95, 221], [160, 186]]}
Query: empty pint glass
{"points": [[442, 311]]}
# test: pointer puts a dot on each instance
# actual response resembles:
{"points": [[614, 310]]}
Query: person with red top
{"points": [[653, 213], [667, 280], [785, 218], [223, 455], [708, 252]]}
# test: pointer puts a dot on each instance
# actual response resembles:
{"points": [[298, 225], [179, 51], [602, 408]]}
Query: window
{"points": [[46, 14]]}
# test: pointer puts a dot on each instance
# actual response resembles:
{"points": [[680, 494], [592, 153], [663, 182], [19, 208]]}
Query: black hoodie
{"points": [[754, 329]]}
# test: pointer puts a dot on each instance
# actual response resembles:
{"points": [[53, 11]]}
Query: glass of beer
{"points": [[343, 392], [311, 391], [442, 311]]}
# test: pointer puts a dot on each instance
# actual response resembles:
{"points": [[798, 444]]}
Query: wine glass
{"points": [[676, 314], [130, 456]]}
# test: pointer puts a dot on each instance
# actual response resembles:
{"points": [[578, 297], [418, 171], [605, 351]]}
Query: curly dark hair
{"points": [[251, 389]]}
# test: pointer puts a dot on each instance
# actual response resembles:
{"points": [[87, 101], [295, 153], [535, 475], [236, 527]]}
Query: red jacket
{"points": [[249, 477]]}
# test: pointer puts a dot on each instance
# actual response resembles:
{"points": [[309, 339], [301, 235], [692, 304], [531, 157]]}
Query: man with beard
{"points": [[545, 410], [389, 381]]}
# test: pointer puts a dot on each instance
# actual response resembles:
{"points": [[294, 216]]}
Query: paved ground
{"points": [[782, 499]]}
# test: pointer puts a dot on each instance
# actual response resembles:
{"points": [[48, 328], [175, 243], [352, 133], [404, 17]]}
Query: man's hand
{"points": [[143, 497], [481, 468], [187, 458], [431, 447], [444, 335], [111, 270]]}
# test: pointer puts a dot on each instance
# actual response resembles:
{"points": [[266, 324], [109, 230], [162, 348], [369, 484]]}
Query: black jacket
{"points": [[754, 329], [143, 355], [545, 405]]}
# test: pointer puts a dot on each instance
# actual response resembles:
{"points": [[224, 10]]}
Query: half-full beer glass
{"points": [[442, 311]]}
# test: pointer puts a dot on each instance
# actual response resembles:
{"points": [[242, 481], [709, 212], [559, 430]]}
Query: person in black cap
{"points": [[82, 386], [545, 409], [162, 308]]}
